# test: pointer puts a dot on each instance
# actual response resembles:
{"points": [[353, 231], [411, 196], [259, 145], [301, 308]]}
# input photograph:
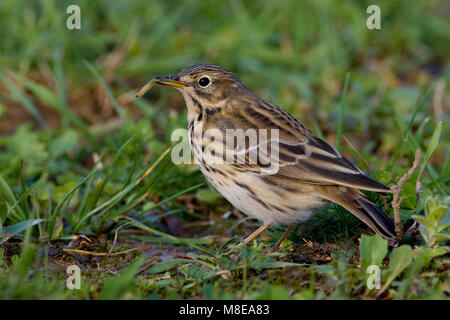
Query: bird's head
{"points": [[206, 84]]}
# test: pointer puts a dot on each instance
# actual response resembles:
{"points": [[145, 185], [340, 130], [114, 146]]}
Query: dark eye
{"points": [[204, 82]]}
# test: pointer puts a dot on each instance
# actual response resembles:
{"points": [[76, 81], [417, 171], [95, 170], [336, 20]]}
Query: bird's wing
{"points": [[317, 162], [302, 155], [313, 162]]}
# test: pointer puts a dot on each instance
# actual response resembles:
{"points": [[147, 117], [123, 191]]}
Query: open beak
{"points": [[166, 81]]}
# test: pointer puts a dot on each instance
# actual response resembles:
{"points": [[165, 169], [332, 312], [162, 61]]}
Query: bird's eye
{"points": [[204, 82]]}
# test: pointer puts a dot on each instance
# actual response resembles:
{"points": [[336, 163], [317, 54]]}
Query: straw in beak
{"points": [[166, 81]]}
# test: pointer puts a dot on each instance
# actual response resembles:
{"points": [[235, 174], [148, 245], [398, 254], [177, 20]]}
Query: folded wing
{"points": [[317, 162]]}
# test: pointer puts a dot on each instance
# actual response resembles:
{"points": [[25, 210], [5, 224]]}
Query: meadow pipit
{"points": [[308, 172]]}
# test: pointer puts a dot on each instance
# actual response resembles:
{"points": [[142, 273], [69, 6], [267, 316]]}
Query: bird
{"points": [[310, 172]]}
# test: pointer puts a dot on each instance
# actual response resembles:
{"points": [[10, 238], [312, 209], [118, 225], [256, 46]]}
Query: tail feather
{"points": [[357, 203], [375, 218]]}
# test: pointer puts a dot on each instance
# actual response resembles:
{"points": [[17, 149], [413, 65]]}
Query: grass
{"points": [[80, 156]]}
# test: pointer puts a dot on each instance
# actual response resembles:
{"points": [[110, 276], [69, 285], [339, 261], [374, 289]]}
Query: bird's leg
{"points": [[282, 238], [254, 234]]}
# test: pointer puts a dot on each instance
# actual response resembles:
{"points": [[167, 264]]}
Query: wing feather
{"points": [[325, 166], [305, 157]]}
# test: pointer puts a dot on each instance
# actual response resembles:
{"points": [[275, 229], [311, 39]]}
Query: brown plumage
{"points": [[310, 171]]}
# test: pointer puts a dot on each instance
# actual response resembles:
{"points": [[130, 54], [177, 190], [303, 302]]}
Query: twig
{"points": [[115, 236], [99, 254], [397, 200]]}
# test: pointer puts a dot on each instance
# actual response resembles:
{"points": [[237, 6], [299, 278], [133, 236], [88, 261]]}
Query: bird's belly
{"points": [[257, 199]]}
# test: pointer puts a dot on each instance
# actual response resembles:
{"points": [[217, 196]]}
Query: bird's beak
{"points": [[166, 81]]}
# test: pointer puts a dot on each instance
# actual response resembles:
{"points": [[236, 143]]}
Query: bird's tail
{"points": [[357, 203]]}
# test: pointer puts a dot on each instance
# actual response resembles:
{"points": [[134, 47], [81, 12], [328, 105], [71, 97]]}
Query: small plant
{"points": [[434, 225]]}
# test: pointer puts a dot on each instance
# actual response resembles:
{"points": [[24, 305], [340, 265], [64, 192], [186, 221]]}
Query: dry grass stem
{"points": [[397, 200]]}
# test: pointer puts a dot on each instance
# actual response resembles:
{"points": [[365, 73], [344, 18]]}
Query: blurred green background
{"points": [[67, 103], [296, 53]]}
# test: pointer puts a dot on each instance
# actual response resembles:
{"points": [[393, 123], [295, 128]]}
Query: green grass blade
{"points": [[169, 237], [50, 98], [25, 194], [176, 195], [85, 199], [108, 91], [55, 212], [61, 83], [405, 131], [120, 195], [11, 199], [341, 113], [21, 98], [14, 229], [98, 190], [434, 141]]}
